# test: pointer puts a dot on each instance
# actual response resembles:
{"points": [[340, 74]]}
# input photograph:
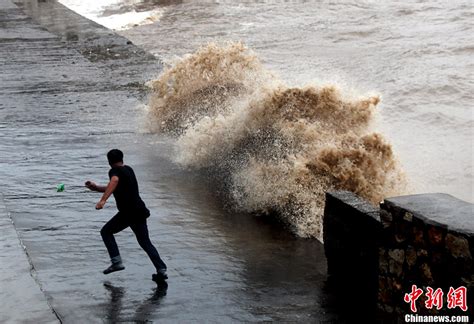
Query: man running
{"points": [[132, 213]]}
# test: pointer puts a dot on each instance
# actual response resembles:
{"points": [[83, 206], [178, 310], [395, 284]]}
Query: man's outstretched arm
{"points": [[107, 192]]}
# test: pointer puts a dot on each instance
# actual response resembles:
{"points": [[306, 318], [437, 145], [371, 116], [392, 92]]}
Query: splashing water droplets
{"points": [[274, 148]]}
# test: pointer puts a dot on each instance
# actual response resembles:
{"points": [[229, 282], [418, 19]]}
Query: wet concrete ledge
{"points": [[426, 240], [50, 58], [18, 288], [128, 66]]}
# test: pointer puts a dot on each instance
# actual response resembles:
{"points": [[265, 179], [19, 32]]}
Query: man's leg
{"points": [[141, 232], [113, 226]]}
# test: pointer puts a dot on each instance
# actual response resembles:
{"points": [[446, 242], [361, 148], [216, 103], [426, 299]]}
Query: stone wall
{"points": [[427, 241], [424, 240], [352, 231]]}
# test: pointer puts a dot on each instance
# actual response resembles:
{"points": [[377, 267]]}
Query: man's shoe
{"points": [[114, 267], [160, 276]]}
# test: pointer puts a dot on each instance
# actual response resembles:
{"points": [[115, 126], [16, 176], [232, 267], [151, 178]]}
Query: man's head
{"points": [[115, 156]]}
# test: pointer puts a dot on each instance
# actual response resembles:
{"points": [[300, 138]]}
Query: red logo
{"points": [[412, 297], [434, 298], [457, 298]]}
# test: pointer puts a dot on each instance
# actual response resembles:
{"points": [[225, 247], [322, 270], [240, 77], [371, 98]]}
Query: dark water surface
{"points": [[60, 111]]}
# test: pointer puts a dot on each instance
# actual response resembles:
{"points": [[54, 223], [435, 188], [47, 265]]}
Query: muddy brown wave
{"points": [[280, 148]]}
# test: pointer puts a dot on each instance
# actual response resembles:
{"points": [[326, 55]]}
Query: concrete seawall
{"points": [[19, 291], [423, 240], [43, 69]]}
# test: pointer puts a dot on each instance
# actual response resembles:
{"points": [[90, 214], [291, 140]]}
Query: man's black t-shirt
{"points": [[126, 194]]}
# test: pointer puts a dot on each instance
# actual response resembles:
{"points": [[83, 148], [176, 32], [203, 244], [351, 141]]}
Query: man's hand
{"points": [[100, 204], [91, 185], [94, 187]]}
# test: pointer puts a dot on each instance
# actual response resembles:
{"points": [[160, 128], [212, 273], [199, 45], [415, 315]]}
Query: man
{"points": [[132, 213]]}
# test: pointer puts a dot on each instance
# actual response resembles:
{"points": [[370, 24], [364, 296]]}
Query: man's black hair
{"points": [[115, 156]]}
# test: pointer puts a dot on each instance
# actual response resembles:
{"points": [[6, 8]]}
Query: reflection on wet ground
{"points": [[59, 115], [144, 309]]}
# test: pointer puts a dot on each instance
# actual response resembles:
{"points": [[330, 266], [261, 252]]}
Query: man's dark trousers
{"points": [[120, 222]]}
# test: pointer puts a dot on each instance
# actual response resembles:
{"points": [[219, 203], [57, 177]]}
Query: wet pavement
{"points": [[66, 98], [18, 289]]}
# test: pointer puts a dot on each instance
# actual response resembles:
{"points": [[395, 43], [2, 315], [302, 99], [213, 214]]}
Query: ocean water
{"points": [[411, 62]]}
